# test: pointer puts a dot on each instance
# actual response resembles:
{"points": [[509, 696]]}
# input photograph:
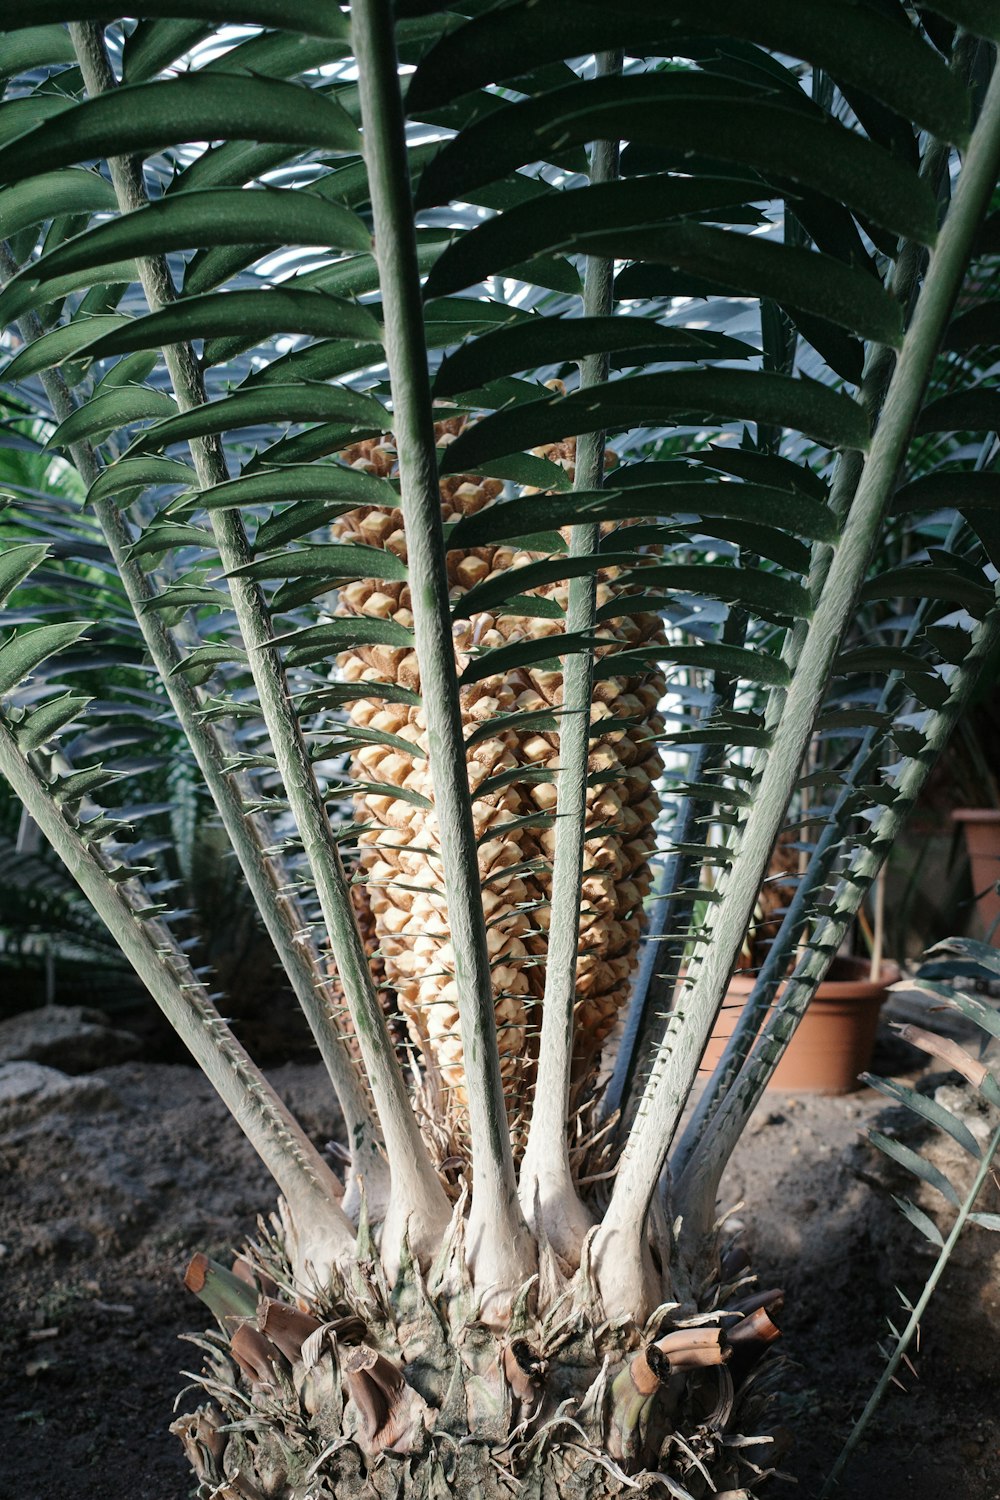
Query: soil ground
{"points": [[102, 1207]]}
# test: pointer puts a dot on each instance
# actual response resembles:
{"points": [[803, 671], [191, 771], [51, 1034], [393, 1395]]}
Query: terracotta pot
{"points": [[982, 839], [834, 1040]]}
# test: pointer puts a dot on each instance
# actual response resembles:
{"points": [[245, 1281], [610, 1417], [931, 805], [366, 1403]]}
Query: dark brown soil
{"points": [[102, 1207], [820, 1223], [101, 1212]]}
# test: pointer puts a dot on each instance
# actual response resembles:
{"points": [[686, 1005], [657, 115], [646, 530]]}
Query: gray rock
{"points": [[69, 1037], [29, 1091]]}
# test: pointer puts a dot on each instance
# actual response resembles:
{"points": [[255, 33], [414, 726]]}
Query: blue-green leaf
{"points": [[913, 1162], [635, 401], [290, 15], [512, 520], [27, 649], [526, 468], [280, 54], [760, 468], [955, 490], [502, 659], [106, 413], [33, 47], [928, 1109], [216, 216], [495, 591], [970, 950], [521, 722], [255, 315], [327, 360], [803, 280], [45, 721], [734, 661], [535, 606], [975, 1010], [274, 403], [975, 410], [185, 596], [199, 662], [764, 592], [337, 694], [550, 271], [133, 370], [921, 1221], [76, 785], [23, 294], [855, 43], [561, 219], [315, 442], [321, 642], [19, 115], [52, 194], [156, 43], [127, 477], [301, 483], [165, 536], [355, 734], [351, 277], [60, 343], [929, 581], [330, 560], [544, 341], [299, 520], [693, 112], [16, 563], [145, 117]]}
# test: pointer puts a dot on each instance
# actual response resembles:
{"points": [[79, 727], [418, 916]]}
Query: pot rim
{"points": [[976, 814]]}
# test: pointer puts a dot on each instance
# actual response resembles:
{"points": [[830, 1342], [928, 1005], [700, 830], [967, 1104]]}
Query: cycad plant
{"points": [[333, 314]]}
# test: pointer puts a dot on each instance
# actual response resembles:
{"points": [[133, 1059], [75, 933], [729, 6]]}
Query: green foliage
{"points": [[200, 339], [53, 947], [245, 235]]}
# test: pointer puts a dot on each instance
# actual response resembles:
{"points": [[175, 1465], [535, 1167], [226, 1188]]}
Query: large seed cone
{"points": [[399, 850]]}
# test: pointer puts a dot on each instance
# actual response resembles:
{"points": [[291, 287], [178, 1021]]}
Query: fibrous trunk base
{"points": [[403, 1392]]}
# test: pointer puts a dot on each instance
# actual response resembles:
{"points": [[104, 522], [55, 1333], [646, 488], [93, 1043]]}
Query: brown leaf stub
{"points": [[648, 1370], [196, 1274], [227, 1295], [735, 1262], [772, 1299], [390, 1410], [693, 1348], [255, 1277], [204, 1445], [255, 1354], [348, 1330], [524, 1370], [286, 1327], [757, 1328]]}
